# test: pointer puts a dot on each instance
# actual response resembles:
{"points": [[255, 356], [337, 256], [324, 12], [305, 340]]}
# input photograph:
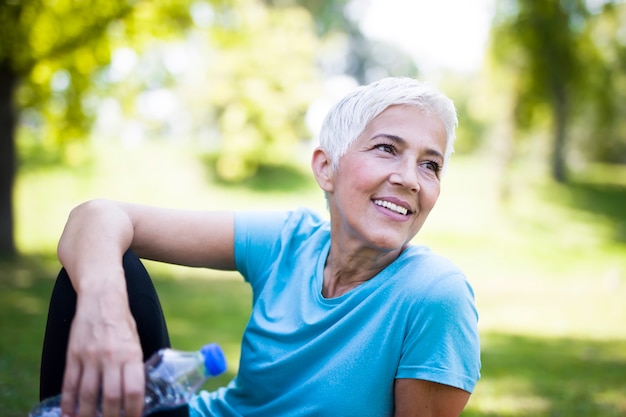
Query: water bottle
{"points": [[172, 377]]}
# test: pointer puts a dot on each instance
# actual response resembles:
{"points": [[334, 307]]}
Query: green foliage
{"points": [[261, 86], [473, 124], [57, 47], [34, 30], [329, 14], [258, 77], [564, 66], [607, 127], [540, 42], [257, 86], [53, 47]]}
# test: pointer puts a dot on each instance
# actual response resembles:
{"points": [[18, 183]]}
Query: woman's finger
{"points": [[69, 390], [111, 392], [89, 392], [134, 388]]}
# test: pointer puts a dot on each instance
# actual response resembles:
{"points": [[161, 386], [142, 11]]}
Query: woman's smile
{"points": [[394, 206]]}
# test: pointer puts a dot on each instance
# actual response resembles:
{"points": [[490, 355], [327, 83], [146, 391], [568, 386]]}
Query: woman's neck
{"points": [[345, 270]]}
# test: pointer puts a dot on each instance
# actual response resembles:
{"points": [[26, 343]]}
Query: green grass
{"points": [[24, 293], [548, 266], [550, 376]]}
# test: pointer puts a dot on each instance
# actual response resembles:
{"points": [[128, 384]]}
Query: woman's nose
{"points": [[406, 175]]}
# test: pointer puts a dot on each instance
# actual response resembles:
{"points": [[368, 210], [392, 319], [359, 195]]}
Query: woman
{"points": [[348, 318]]}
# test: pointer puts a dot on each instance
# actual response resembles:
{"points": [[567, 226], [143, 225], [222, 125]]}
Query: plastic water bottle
{"points": [[172, 377]]}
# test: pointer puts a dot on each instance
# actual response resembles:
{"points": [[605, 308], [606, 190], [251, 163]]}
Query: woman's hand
{"points": [[104, 358]]}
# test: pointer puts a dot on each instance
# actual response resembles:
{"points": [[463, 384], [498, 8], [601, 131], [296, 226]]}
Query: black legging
{"points": [[146, 310]]}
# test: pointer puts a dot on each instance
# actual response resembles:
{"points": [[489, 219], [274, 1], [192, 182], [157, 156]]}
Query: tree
{"points": [[33, 35], [607, 81], [545, 48], [259, 86], [8, 80], [49, 51]]}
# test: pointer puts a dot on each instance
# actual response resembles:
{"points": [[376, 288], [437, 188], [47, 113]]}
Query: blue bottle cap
{"points": [[214, 359]]}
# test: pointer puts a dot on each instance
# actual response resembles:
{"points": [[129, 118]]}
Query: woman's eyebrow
{"points": [[393, 138], [400, 141], [435, 153]]}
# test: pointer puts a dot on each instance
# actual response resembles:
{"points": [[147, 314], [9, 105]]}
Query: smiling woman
{"points": [[385, 185], [348, 318]]}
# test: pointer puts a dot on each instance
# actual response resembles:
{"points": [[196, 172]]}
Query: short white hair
{"points": [[347, 120]]}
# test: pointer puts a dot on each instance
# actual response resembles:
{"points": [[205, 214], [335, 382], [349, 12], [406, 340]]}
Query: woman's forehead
{"points": [[406, 122]]}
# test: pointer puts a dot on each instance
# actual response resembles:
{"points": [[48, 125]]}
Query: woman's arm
{"points": [[419, 398], [104, 348]]}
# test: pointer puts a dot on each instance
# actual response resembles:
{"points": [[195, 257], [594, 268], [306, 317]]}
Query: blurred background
{"points": [[207, 104]]}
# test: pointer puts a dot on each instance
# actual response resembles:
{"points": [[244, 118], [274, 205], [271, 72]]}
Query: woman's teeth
{"points": [[391, 206]]}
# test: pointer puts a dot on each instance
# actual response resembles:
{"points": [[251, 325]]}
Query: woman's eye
{"points": [[386, 148], [433, 166]]}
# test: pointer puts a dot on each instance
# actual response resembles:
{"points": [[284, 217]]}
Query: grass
{"points": [[548, 266], [550, 376]]}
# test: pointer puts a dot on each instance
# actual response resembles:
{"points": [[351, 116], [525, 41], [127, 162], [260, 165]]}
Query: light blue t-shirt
{"points": [[306, 355]]}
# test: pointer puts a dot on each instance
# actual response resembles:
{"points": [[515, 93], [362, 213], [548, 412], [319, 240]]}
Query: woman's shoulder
{"points": [[423, 260], [305, 221], [430, 274]]}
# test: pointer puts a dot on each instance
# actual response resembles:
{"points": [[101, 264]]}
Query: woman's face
{"points": [[388, 181]]}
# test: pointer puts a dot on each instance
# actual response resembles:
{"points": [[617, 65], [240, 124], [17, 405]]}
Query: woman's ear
{"points": [[322, 169]]}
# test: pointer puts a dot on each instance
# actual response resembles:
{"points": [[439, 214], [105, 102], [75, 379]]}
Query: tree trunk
{"points": [[8, 81], [559, 166]]}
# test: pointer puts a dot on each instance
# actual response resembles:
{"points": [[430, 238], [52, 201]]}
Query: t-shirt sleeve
{"points": [[442, 341], [257, 239]]}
